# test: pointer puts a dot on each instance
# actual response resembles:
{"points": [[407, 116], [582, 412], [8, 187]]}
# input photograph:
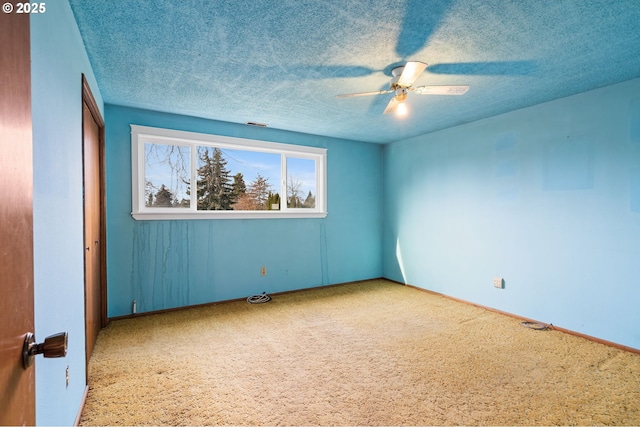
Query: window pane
{"points": [[186, 175], [301, 183], [166, 175], [230, 179]]}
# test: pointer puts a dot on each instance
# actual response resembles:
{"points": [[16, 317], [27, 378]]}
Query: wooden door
{"points": [[95, 298], [17, 384]]}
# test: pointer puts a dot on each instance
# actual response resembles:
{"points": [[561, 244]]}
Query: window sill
{"points": [[151, 216]]}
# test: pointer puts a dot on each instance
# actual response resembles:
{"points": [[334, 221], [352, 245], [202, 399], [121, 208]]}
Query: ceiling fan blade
{"points": [[411, 72], [391, 106], [441, 90], [351, 95]]}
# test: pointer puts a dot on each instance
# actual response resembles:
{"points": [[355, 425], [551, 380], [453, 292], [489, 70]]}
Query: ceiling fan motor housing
{"points": [[396, 72], [401, 94]]}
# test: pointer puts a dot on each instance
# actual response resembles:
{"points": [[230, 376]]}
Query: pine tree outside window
{"points": [[186, 175]]}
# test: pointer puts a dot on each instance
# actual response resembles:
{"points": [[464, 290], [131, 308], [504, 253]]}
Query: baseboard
{"points": [[84, 399], [524, 319]]}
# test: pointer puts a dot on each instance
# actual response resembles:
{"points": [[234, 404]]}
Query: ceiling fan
{"points": [[401, 84]]}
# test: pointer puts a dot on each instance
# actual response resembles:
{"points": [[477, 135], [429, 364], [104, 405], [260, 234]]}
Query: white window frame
{"points": [[144, 134]]}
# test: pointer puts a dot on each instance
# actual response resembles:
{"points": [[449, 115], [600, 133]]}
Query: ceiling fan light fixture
{"points": [[402, 110]]}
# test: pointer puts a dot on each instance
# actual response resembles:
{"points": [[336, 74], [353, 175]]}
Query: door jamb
{"points": [[87, 98]]}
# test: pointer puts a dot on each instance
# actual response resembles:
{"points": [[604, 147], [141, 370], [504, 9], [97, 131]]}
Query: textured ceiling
{"points": [[282, 62]]}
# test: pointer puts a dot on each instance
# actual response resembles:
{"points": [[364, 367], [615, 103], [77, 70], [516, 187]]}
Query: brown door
{"points": [[95, 307], [17, 385]]}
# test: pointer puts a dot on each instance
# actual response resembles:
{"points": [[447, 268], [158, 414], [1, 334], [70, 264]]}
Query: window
{"points": [[186, 175]]}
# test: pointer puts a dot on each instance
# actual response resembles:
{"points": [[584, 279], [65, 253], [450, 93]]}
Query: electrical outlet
{"points": [[498, 282], [263, 271], [67, 376]]}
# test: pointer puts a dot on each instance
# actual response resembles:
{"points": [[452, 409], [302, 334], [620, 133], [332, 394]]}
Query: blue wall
{"points": [[547, 197], [58, 60], [166, 264]]}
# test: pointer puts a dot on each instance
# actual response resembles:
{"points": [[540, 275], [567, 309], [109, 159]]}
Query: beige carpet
{"points": [[369, 353]]}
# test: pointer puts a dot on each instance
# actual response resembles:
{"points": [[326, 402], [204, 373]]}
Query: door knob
{"points": [[53, 346]]}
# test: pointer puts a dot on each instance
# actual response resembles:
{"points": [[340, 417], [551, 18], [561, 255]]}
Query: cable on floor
{"points": [[536, 325], [259, 298]]}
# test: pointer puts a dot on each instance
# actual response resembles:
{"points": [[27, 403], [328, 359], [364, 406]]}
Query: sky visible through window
{"points": [[169, 165], [303, 172], [252, 163]]}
